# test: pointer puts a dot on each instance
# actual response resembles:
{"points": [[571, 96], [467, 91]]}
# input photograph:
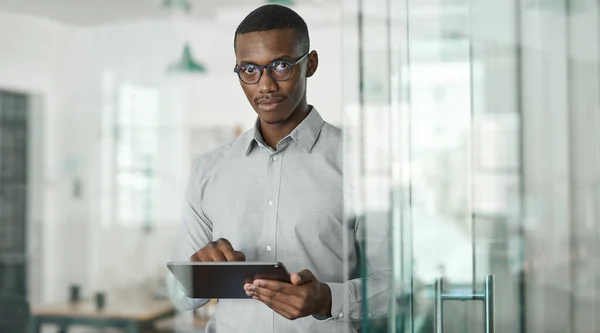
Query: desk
{"points": [[130, 312]]}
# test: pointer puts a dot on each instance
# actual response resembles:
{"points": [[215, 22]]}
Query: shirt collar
{"points": [[253, 137], [305, 134]]}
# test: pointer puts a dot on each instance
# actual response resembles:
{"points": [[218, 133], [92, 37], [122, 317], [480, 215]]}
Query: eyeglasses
{"points": [[278, 70]]}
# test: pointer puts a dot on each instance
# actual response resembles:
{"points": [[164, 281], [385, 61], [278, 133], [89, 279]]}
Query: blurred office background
{"points": [[484, 116], [103, 106]]}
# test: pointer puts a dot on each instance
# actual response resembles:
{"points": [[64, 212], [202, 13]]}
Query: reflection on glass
{"points": [[485, 117]]}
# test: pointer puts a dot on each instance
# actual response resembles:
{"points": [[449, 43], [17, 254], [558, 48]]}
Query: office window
{"points": [[137, 131]]}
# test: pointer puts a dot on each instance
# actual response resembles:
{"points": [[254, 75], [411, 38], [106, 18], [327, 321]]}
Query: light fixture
{"points": [[183, 5], [187, 63]]}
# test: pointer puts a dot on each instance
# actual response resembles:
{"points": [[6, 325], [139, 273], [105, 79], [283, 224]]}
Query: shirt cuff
{"points": [[178, 297], [337, 301]]}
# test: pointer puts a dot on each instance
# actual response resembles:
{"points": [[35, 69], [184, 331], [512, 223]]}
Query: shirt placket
{"points": [[275, 170], [274, 178]]}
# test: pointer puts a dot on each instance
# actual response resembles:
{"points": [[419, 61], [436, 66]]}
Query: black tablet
{"points": [[224, 279]]}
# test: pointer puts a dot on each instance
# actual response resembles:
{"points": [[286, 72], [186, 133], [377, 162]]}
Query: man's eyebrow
{"points": [[283, 57], [280, 57]]}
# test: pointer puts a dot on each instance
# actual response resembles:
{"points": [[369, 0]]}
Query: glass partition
{"points": [[473, 129]]}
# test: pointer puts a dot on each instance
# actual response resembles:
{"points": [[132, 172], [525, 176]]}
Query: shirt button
{"points": [[341, 315], [268, 248], [275, 158], [271, 202]]}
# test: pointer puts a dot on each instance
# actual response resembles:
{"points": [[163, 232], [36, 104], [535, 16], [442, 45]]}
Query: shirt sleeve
{"points": [[195, 232], [376, 276]]}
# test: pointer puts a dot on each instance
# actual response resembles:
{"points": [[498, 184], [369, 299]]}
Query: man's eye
{"points": [[249, 69], [280, 65]]}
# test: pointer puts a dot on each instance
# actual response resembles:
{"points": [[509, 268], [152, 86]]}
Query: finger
{"points": [[302, 277], [200, 256], [249, 289], [220, 241], [229, 254], [225, 247], [195, 257], [281, 287], [254, 291], [289, 306], [292, 300], [216, 255], [282, 308], [205, 256], [239, 256], [280, 312]]}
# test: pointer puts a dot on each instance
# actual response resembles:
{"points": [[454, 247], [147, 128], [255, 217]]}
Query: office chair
{"points": [[14, 313]]}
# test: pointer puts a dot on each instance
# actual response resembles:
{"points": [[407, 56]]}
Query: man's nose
{"points": [[266, 84]]}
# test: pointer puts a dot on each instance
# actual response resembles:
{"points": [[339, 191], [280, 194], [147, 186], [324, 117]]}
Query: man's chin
{"points": [[272, 117], [274, 121]]}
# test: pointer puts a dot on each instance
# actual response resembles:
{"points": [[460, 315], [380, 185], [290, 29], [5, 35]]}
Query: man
{"points": [[276, 193]]}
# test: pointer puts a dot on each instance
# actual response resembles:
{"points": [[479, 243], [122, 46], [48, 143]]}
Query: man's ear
{"points": [[313, 63]]}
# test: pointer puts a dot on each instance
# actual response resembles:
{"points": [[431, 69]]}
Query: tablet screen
{"points": [[224, 279]]}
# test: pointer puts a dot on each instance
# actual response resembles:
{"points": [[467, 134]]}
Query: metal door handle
{"points": [[487, 296]]}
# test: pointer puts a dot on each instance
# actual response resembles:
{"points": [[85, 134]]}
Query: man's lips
{"points": [[271, 101], [269, 104]]}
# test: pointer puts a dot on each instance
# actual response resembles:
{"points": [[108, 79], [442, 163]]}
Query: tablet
{"points": [[224, 279]]}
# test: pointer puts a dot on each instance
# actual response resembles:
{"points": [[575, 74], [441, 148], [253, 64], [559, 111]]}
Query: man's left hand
{"points": [[303, 297]]}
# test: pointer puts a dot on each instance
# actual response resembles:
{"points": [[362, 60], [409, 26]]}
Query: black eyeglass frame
{"points": [[237, 69]]}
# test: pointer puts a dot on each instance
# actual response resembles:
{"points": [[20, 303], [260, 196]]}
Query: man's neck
{"points": [[273, 133]]}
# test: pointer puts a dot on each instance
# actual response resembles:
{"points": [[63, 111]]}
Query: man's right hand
{"points": [[219, 250]]}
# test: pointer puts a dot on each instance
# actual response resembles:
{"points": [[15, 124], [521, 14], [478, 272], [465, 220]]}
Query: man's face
{"points": [[274, 101]]}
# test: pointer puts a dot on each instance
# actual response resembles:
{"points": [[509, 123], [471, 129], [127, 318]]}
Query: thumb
{"points": [[302, 277]]}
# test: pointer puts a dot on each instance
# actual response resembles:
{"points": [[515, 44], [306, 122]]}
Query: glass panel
{"points": [[561, 165], [497, 167], [487, 112], [367, 129]]}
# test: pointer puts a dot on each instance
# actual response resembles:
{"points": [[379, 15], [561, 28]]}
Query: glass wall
{"points": [[475, 130]]}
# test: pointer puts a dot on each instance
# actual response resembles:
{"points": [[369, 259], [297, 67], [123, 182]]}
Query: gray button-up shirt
{"points": [[283, 205]]}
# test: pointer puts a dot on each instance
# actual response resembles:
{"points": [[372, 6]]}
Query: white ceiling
{"points": [[99, 12]]}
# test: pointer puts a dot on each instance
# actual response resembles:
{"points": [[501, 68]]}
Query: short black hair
{"points": [[273, 17]]}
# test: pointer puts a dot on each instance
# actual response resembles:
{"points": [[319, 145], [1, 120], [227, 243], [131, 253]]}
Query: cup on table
{"points": [[74, 293], [100, 301]]}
